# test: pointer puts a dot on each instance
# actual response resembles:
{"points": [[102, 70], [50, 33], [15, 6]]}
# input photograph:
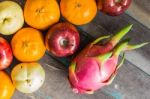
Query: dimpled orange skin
{"points": [[78, 12], [28, 45], [41, 14], [6, 87]]}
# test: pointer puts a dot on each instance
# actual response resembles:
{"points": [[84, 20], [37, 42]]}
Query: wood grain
{"points": [[130, 83]]}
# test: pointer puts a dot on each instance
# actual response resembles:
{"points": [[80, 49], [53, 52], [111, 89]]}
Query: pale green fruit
{"points": [[28, 77], [11, 17]]}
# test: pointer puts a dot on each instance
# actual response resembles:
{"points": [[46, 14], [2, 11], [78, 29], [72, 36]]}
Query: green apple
{"points": [[28, 77], [11, 17]]}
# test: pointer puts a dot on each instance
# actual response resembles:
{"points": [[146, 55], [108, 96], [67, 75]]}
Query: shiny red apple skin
{"points": [[114, 7], [6, 55], [62, 39]]}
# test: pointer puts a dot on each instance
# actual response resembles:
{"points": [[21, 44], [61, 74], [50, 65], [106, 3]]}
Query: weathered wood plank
{"points": [[130, 83], [140, 11]]}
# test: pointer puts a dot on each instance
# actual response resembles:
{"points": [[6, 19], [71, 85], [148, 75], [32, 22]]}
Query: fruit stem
{"points": [[117, 1], [119, 35]]}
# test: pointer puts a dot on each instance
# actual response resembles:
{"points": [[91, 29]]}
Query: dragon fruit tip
{"points": [[133, 47], [119, 35]]}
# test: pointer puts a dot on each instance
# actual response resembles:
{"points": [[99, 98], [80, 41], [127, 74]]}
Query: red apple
{"points": [[62, 39], [5, 54], [113, 7]]}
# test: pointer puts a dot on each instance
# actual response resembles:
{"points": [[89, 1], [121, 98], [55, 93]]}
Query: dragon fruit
{"points": [[96, 66]]}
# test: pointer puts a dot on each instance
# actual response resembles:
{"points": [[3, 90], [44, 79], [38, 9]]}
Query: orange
{"points": [[78, 12], [6, 87], [28, 45], [41, 14]]}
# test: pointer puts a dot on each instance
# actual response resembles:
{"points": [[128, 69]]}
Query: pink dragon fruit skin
{"points": [[96, 65]]}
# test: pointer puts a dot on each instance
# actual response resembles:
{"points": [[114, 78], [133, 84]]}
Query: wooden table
{"points": [[133, 79]]}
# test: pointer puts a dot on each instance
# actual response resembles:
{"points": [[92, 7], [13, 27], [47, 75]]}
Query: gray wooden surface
{"points": [[132, 81], [140, 10]]}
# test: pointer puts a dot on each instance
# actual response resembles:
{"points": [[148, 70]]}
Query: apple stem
{"points": [[117, 1], [64, 42]]}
